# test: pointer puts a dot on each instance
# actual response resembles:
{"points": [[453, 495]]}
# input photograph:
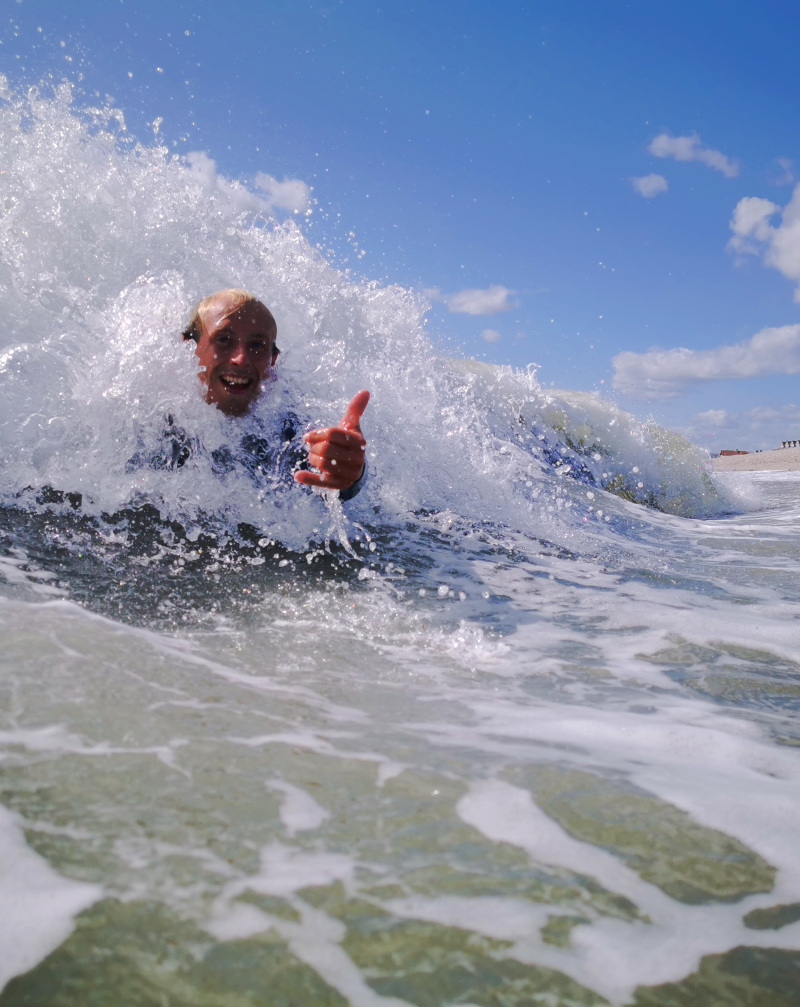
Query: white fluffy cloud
{"points": [[663, 374], [689, 148], [761, 427], [204, 170], [650, 185], [491, 301], [491, 335], [777, 244], [291, 194], [713, 417]]}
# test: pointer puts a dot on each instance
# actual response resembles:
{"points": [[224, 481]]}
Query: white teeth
{"points": [[230, 379]]}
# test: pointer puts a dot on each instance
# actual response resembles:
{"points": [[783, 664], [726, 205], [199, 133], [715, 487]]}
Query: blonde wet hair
{"points": [[237, 297]]}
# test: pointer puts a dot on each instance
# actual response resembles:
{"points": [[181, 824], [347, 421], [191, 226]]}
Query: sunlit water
{"points": [[488, 734]]}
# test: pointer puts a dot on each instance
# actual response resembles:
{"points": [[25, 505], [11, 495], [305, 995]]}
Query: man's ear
{"points": [[275, 353]]}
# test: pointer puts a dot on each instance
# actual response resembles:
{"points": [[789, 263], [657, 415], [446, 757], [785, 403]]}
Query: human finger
{"points": [[327, 450], [336, 435], [346, 467], [355, 410], [323, 480]]}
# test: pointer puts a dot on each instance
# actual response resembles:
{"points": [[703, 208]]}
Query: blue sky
{"points": [[601, 187]]}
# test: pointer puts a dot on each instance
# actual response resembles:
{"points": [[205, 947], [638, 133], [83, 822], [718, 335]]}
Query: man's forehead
{"points": [[217, 313]]}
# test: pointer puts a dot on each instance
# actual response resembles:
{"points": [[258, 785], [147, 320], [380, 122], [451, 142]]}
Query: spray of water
{"points": [[105, 243]]}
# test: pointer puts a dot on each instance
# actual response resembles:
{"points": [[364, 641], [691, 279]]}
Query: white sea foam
{"points": [[37, 905], [299, 811], [611, 956]]}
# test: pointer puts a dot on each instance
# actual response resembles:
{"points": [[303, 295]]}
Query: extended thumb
{"points": [[355, 410]]}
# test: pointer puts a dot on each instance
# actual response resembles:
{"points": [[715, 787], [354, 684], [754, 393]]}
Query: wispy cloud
{"points": [[789, 177], [777, 245], [491, 335], [663, 374], [689, 148], [650, 185], [492, 301]]}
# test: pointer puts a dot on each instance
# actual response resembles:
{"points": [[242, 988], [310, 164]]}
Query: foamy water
{"points": [[517, 725]]}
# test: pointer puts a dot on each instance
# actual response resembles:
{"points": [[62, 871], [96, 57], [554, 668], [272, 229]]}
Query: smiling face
{"points": [[236, 350]]}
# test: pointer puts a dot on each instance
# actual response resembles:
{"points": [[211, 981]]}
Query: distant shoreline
{"points": [[780, 460]]}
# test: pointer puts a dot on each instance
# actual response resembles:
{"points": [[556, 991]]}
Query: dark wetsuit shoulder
{"points": [[268, 455]]}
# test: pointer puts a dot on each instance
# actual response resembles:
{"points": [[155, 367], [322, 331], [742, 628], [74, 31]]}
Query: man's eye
{"points": [[223, 338], [259, 345]]}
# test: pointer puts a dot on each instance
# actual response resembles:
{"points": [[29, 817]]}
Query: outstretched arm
{"points": [[337, 452]]}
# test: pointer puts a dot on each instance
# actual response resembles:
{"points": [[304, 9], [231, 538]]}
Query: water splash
{"points": [[105, 242]]}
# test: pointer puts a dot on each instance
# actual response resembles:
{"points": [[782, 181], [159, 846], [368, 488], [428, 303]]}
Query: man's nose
{"points": [[239, 354]]}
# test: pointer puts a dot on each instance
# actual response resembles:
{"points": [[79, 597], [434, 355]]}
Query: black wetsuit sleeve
{"points": [[357, 486]]}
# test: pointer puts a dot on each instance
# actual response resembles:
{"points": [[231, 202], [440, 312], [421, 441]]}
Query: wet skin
{"points": [[237, 352], [338, 452]]}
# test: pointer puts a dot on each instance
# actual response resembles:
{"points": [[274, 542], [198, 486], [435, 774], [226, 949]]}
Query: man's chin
{"points": [[233, 403]]}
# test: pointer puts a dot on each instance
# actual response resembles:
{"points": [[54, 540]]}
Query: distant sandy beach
{"points": [[782, 460]]}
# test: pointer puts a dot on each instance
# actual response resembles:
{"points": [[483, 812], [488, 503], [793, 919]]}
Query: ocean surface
{"points": [[517, 725]]}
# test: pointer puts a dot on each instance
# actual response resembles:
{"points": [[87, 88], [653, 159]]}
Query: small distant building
{"points": [[724, 454], [790, 444]]}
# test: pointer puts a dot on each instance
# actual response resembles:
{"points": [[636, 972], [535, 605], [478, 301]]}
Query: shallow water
{"points": [[488, 734]]}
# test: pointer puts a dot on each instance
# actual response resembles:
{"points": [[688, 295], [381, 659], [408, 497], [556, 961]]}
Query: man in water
{"points": [[235, 335]]}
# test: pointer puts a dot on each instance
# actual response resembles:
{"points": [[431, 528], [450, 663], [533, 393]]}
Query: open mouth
{"points": [[236, 383]]}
